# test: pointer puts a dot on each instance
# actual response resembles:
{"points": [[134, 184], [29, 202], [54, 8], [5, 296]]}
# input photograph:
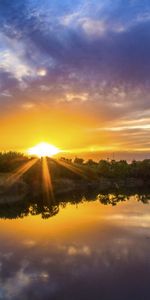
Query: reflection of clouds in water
{"points": [[56, 270], [141, 220], [6, 255], [14, 285], [29, 243], [85, 250], [0, 266]]}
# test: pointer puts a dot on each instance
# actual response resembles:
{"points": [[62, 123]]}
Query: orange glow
{"points": [[67, 126], [61, 126]]}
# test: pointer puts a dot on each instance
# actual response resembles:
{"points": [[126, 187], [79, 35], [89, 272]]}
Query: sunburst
{"points": [[43, 149]]}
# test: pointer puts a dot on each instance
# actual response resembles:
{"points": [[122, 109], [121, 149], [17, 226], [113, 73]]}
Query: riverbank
{"points": [[64, 187]]}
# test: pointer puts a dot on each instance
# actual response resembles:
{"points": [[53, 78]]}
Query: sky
{"points": [[75, 74]]}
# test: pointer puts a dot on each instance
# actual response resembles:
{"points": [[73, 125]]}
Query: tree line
{"points": [[10, 161]]}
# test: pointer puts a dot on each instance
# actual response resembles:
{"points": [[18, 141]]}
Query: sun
{"points": [[43, 149]]}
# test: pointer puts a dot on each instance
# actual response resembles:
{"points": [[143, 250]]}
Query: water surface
{"points": [[86, 251]]}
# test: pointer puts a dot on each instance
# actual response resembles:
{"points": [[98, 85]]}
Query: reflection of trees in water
{"points": [[26, 208], [46, 211], [143, 198], [40, 206], [112, 198]]}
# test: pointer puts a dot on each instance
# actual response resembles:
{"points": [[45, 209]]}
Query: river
{"points": [[87, 250]]}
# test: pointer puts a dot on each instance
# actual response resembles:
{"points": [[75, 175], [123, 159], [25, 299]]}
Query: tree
{"points": [[78, 161]]}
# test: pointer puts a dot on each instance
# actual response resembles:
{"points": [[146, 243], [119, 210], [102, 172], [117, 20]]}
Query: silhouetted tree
{"points": [[78, 160]]}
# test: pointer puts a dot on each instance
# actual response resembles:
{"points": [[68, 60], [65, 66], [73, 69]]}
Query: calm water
{"points": [[86, 251]]}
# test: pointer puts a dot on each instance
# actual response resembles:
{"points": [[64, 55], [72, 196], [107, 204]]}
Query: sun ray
{"points": [[72, 168], [47, 180], [19, 172], [85, 174]]}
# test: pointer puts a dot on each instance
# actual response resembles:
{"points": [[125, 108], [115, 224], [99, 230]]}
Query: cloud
{"points": [[10, 63], [125, 128], [6, 93], [91, 55], [76, 97]]}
